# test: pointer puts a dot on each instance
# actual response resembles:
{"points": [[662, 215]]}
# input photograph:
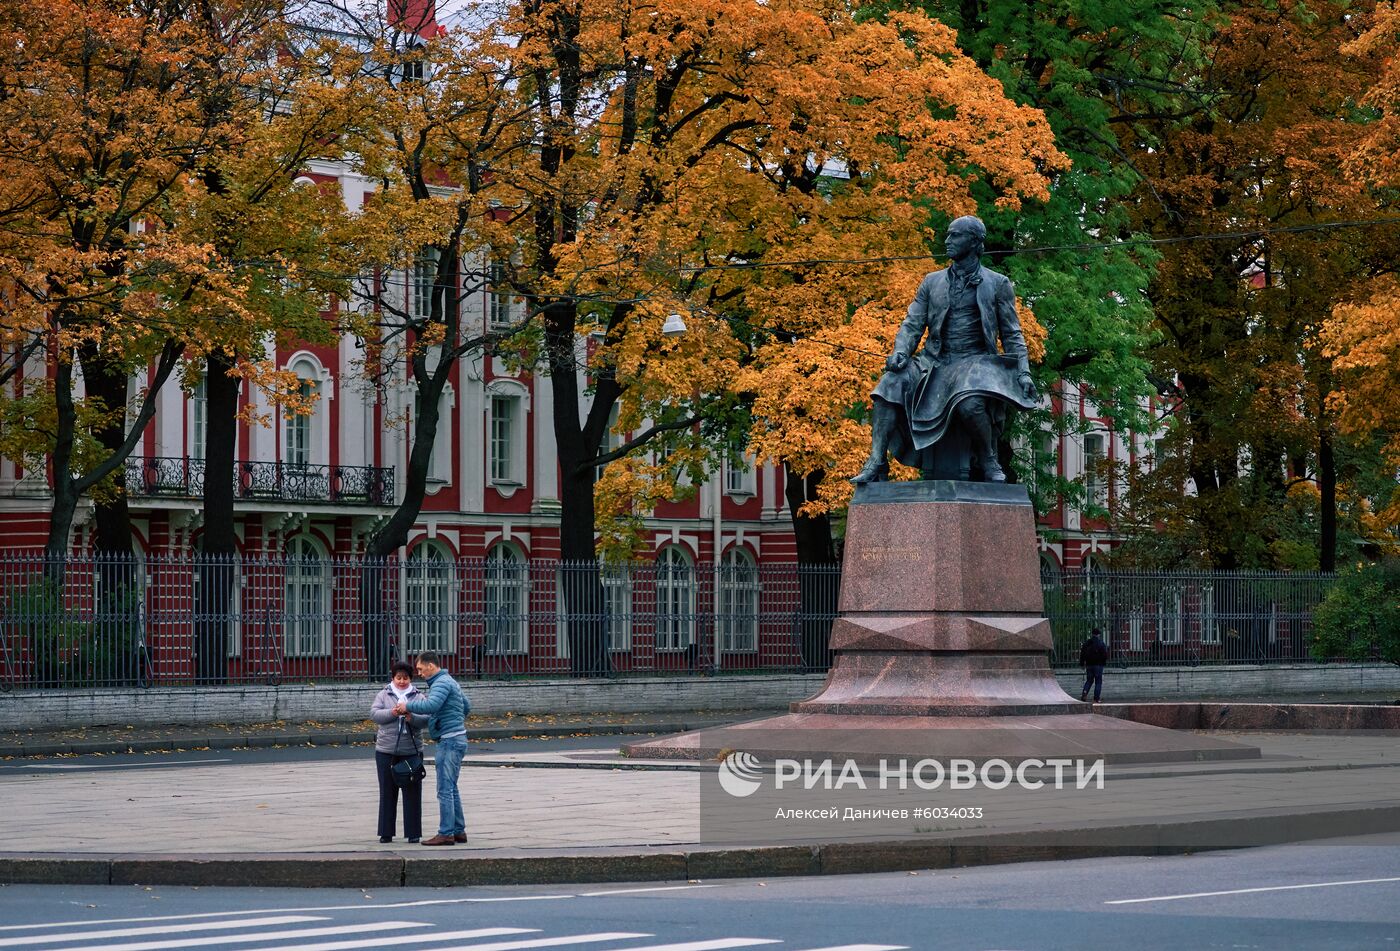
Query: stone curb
{"points": [[262, 740], [579, 866]]}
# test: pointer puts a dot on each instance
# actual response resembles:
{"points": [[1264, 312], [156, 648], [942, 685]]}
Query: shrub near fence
{"points": [[115, 622]]}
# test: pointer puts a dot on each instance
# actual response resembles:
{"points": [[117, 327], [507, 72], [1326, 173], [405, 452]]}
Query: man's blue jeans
{"points": [[448, 764], [1093, 676]]}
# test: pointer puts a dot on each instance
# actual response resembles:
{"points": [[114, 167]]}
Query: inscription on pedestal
{"points": [[886, 554]]}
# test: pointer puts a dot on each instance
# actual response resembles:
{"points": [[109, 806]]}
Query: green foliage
{"points": [[35, 615], [1360, 617], [72, 648]]}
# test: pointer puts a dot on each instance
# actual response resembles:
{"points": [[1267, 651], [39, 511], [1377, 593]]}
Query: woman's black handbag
{"points": [[408, 770]]}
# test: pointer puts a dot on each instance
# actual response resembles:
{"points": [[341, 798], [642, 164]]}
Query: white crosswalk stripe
{"points": [[369, 936], [389, 940], [717, 944], [158, 929], [552, 942], [247, 938]]}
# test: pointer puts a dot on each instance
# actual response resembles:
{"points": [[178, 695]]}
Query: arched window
{"points": [[505, 600], [430, 601], [675, 600], [306, 610], [738, 602]]}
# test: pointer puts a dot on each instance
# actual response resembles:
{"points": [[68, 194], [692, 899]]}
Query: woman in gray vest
{"points": [[398, 739]]}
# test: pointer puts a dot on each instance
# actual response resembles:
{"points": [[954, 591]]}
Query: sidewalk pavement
{"points": [[593, 816]]}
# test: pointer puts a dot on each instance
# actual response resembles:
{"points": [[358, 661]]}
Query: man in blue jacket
{"points": [[446, 707]]}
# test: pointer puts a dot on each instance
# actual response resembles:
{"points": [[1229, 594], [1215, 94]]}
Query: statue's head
{"points": [[966, 238]]}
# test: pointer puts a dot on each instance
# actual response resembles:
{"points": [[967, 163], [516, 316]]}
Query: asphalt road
{"points": [[1342, 894]]}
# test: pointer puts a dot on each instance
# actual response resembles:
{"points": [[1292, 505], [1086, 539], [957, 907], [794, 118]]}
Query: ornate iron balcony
{"points": [[183, 478]]}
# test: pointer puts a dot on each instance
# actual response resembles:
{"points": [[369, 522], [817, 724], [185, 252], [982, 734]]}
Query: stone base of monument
{"points": [[940, 649]]}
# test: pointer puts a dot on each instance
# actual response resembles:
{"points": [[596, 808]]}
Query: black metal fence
{"points": [[196, 620], [93, 622], [1185, 617]]}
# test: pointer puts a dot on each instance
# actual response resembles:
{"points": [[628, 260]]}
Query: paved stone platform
{"points": [[593, 816]]}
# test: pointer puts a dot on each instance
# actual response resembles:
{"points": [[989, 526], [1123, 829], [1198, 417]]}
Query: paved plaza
{"points": [[591, 799]]}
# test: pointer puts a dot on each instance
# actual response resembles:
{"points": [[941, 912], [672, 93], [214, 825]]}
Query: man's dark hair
{"points": [[429, 657], [401, 666], [1095, 632]]}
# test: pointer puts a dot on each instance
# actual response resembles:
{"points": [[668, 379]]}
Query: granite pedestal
{"points": [[941, 647]]}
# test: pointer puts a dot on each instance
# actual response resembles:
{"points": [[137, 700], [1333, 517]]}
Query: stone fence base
{"points": [[158, 706]]}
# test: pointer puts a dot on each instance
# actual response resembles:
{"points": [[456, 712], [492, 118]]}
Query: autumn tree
{"points": [[626, 163], [1362, 336], [108, 109], [290, 247], [1258, 165]]}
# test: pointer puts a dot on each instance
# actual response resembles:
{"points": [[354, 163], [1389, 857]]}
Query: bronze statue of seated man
{"points": [[944, 407]]}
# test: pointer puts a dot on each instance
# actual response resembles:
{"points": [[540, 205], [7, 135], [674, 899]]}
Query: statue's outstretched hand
{"points": [[897, 361]]}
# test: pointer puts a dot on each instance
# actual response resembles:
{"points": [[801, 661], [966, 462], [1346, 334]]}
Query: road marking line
{"points": [[714, 945], [158, 929], [865, 947], [633, 891], [248, 938], [403, 939], [191, 762], [1251, 891], [553, 942]]}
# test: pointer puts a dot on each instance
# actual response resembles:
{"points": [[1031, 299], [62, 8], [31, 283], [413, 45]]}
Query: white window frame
{"points": [[675, 599], [739, 591], [307, 584], [617, 594], [1169, 619], [505, 467], [1210, 630], [440, 460], [430, 599], [199, 419], [611, 440], [505, 600], [740, 480], [1044, 448], [298, 436], [422, 281], [499, 304], [1095, 485]]}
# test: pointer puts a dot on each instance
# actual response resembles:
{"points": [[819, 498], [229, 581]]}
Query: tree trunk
{"points": [[584, 601], [818, 583], [218, 550], [120, 593], [378, 574], [65, 493], [1327, 488]]}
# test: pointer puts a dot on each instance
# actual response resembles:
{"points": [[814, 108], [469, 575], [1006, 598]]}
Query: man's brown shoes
{"points": [[460, 837], [441, 840]]}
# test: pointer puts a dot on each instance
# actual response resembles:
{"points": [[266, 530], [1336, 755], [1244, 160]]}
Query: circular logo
{"points": [[740, 774]]}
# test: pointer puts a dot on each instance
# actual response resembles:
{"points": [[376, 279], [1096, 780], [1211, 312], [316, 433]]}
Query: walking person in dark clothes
{"points": [[1092, 656]]}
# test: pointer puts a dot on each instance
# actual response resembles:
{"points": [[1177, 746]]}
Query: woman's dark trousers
{"points": [[389, 801]]}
